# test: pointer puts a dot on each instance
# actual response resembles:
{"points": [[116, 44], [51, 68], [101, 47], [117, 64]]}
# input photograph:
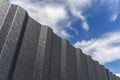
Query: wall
{"points": [[31, 51]]}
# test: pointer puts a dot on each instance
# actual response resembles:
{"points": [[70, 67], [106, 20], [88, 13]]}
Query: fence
{"points": [[31, 51]]}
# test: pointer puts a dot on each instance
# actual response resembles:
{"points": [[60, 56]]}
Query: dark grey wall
{"points": [[31, 51]]}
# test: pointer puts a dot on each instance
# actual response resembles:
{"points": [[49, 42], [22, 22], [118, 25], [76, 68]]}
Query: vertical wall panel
{"points": [[115, 77], [104, 75], [28, 51], [91, 71], [42, 62], [71, 63], [82, 69], [5, 26], [85, 75], [64, 59], [108, 75], [55, 59], [79, 65], [111, 75], [12, 45], [118, 78], [98, 71]]}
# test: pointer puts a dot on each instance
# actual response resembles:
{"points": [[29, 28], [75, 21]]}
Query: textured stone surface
{"points": [[42, 63], [27, 54], [5, 26], [12, 45], [4, 7], [55, 69]]}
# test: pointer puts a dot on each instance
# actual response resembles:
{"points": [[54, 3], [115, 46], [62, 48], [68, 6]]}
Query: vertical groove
{"points": [[28, 51], [6, 25], [11, 72]]}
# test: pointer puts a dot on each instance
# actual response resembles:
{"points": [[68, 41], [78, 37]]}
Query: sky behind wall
{"points": [[92, 25]]}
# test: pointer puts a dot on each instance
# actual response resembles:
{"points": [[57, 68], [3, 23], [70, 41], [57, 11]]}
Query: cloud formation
{"points": [[104, 49], [113, 8], [118, 75], [46, 14], [53, 12]]}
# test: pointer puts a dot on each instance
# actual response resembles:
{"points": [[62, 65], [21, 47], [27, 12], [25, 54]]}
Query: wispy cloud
{"points": [[113, 17], [104, 49], [76, 8], [113, 8]]}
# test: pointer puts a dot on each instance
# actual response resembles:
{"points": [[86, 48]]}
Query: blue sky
{"points": [[92, 25]]}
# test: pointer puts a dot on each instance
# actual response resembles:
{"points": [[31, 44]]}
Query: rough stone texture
{"points": [[12, 44], [28, 51], [5, 26], [4, 8], [42, 62]]}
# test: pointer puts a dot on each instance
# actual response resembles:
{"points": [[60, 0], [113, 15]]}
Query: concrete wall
{"points": [[31, 51]]}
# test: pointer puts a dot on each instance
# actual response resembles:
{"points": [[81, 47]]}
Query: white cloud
{"points": [[65, 34], [79, 3], [47, 14], [55, 12], [104, 49], [113, 17], [76, 7], [52, 12], [85, 26], [118, 74], [114, 9]]}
